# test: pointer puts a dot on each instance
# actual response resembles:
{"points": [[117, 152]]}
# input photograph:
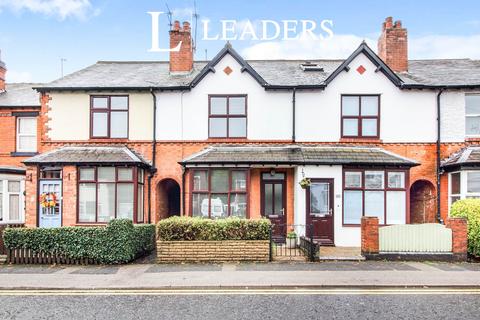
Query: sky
{"points": [[35, 35]]}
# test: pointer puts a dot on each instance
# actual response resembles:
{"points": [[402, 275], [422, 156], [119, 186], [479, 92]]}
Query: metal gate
{"points": [[289, 242]]}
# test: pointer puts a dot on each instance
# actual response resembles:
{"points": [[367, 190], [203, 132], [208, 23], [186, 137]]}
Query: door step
{"points": [[3, 259]]}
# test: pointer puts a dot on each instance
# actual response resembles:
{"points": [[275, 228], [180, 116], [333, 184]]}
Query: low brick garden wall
{"points": [[457, 250], [213, 251]]}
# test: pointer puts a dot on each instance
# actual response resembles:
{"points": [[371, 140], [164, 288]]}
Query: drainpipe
{"points": [[154, 154], [293, 114], [183, 190], [439, 217]]}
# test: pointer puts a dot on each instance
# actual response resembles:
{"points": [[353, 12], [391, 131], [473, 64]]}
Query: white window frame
{"points": [[5, 199], [18, 135], [463, 187], [473, 115]]}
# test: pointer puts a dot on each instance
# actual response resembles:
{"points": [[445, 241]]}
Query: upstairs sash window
{"points": [[360, 116], [109, 117], [472, 115], [227, 116]]}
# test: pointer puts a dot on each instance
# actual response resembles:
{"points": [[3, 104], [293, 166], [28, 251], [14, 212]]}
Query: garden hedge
{"points": [[469, 209], [190, 229], [119, 242]]}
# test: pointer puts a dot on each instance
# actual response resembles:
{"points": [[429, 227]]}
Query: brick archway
{"points": [[168, 198], [422, 202]]}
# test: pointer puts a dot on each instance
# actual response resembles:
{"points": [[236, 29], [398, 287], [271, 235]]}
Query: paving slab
{"points": [[326, 274]]}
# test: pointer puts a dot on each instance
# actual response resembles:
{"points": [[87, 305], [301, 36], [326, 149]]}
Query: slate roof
{"points": [[296, 155], [270, 73], [19, 95], [469, 156], [86, 154]]}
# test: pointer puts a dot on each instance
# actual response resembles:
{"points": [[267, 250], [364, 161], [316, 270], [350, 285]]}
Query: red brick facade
{"points": [[369, 230], [459, 235], [8, 139], [393, 45], [181, 61]]}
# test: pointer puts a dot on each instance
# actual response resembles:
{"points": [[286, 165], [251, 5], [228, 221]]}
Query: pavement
{"points": [[340, 274]]}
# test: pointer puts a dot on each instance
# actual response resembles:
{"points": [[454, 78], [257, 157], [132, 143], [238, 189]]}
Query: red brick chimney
{"points": [[3, 71], [181, 61], [393, 45]]}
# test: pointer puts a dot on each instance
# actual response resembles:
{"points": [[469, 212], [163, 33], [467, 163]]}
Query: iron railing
{"points": [[298, 247]]}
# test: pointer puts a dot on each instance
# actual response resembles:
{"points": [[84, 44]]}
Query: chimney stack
{"points": [[3, 71], [393, 45], [181, 61]]}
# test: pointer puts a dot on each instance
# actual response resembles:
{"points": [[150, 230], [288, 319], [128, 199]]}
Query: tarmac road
{"points": [[242, 304]]}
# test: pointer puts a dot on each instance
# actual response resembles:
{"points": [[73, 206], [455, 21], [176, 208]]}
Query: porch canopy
{"points": [[107, 155], [466, 158], [293, 155]]}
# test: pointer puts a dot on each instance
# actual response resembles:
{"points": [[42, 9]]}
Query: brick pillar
{"points": [[69, 196], [459, 236], [370, 243], [31, 192]]}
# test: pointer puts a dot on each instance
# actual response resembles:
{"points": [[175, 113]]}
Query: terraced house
{"points": [[316, 143]]}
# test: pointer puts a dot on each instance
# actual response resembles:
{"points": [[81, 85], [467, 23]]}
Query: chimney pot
{"points": [[388, 22], [3, 71], [186, 26], [393, 45], [176, 25]]}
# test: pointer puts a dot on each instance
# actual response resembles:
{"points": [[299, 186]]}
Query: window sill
{"points": [[92, 139], [361, 140], [472, 139], [227, 140], [23, 154]]}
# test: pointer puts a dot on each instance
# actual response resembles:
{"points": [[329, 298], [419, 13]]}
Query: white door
{"points": [[50, 197]]}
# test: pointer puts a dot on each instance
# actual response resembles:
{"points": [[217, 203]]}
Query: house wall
{"points": [[344, 236], [69, 116], [407, 123], [406, 116], [184, 116], [8, 130]]}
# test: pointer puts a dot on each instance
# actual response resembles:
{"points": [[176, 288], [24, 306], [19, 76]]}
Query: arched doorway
{"points": [[422, 202], [168, 198]]}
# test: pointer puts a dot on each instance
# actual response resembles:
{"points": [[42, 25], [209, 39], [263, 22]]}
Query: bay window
{"points": [[106, 193], [109, 117], [11, 201], [219, 193], [464, 185], [374, 193], [227, 116]]}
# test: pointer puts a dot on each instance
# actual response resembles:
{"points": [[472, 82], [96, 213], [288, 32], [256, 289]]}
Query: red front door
{"points": [[319, 215], [273, 202]]}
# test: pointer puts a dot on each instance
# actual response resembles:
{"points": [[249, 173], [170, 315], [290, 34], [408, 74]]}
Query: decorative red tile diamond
{"points": [[228, 70], [361, 69]]}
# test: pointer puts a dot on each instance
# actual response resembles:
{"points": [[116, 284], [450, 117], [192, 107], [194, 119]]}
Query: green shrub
{"points": [[469, 209], [189, 229], [119, 242]]}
